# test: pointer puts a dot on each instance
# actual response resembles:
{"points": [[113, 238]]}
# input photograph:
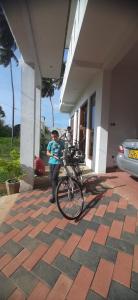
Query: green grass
{"points": [[5, 146]]}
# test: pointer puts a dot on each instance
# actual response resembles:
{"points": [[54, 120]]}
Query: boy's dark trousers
{"points": [[54, 172]]}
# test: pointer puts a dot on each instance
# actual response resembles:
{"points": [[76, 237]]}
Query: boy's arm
{"points": [[48, 153]]}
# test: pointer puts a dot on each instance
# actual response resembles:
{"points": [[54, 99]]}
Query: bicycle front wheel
{"points": [[69, 198], [78, 172]]}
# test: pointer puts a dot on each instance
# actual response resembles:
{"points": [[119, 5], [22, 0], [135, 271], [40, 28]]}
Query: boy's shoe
{"points": [[52, 200]]}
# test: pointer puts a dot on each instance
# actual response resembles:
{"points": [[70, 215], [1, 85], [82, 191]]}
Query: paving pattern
{"points": [[45, 256]]}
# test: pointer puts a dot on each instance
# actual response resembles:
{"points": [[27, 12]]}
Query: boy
{"points": [[69, 136], [54, 151]]}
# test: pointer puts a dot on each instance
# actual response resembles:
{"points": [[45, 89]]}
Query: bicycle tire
{"points": [[69, 198]]}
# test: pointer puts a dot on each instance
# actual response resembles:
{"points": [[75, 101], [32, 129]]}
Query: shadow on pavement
{"points": [[90, 205]]}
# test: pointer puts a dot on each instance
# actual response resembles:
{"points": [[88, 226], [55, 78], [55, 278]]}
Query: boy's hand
{"points": [[56, 157]]}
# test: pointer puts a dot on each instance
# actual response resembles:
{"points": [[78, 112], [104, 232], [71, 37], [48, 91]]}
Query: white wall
{"points": [[99, 84], [123, 109]]}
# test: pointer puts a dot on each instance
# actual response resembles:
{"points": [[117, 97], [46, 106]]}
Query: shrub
{"points": [[3, 175], [11, 169]]}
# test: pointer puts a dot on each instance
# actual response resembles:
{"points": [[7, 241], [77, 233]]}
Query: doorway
{"points": [[92, 124], [72, 123], [83, 126]]}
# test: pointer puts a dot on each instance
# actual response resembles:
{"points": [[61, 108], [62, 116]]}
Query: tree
{"points": [[44, 139], [5, 130], [2, 115], [17, 130], [48, 91], [7, 49], [49, 86]]}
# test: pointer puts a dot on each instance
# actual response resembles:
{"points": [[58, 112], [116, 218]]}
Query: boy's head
{"points": [[69, 128], [54, 135]]}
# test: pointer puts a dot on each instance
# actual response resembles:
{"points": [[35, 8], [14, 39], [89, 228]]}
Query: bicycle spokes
{"points": [[69, 198]]}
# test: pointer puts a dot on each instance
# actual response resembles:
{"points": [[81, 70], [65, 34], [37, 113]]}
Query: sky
{"points": [[61, 119]]}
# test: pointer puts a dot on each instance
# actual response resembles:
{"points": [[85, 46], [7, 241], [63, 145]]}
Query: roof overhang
{"points": [[39, 28], [79, 78], [108, 32]]}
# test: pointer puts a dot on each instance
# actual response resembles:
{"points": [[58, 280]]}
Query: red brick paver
{"points": [[116, 229], [22, 233], [86, 240], [8, 236], [101, 234], [37, 229], [61, 288], [53, 251], [37, 212], [112, 207], [101, 210], [102, 279], [129, 224], [122, 203], [17, 295], [62, 224], [15, 218], [70, 245], [135, 260], [4, 260], [39, 292], [51, 225], [16, 262], [27, 215], [89, 215], [35, 257], [123, 266], [81, 284]]}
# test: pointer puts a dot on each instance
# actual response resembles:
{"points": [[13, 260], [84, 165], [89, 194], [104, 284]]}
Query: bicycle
{"points": [[69, 195], [76, 155]]}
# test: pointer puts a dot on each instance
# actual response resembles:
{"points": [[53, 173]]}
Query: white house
{"points": [[100, 87], [99, 90]]}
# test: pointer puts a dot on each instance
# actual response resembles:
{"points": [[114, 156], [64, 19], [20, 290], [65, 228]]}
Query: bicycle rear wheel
{"points": [[69, 198]]}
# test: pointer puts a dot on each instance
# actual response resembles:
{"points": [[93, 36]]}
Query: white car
{"points": [[127, 157]]}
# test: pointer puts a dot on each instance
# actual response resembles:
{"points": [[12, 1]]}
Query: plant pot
{"points": [[12, 187], [2, 187]]}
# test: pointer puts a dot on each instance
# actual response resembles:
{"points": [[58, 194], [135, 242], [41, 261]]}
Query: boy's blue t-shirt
{"points": [[55, 147]]}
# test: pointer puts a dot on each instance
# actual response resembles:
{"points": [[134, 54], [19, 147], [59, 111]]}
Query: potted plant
{"points": [[12, 171], [3, 178]]}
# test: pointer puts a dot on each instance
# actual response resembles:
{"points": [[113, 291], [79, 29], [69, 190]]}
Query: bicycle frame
{"points": [[73, 166]]}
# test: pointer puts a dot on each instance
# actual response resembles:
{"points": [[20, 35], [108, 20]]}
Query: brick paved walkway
{"points": [[44, 256]]}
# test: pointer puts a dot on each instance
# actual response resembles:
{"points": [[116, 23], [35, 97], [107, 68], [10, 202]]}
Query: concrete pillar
{"points": [[88, 130], [27, 140], [37, 121], [102, 116]]}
